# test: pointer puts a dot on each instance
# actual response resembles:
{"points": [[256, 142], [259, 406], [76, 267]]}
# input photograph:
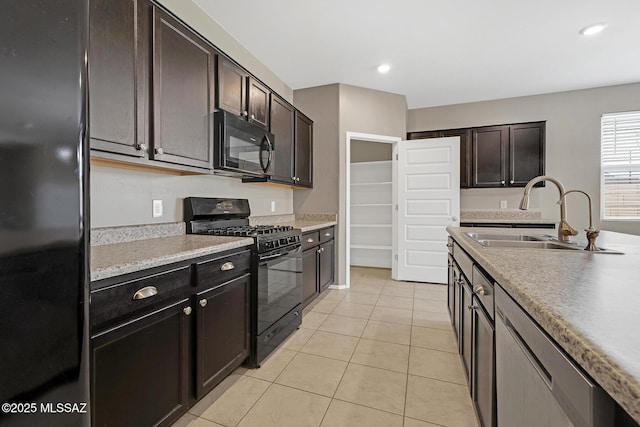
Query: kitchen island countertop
{"points": [[122, 258], [588, 303]]}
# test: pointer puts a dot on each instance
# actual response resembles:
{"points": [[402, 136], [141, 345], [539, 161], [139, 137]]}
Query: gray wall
{"points": [[122, 196], [367, 151], [572, 145], [337, 109]]}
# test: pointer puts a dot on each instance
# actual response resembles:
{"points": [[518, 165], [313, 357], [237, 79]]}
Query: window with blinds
{"points": [[620, 166]]}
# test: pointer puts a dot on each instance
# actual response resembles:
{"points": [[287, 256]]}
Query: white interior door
{"points": [[428, 200]]}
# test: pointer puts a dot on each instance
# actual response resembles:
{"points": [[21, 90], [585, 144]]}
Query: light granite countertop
{"points": [[309, 225], [122, 258], [588, 303]]}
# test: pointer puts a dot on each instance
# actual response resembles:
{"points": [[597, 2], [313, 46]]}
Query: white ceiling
{"points": [[441, 51]]}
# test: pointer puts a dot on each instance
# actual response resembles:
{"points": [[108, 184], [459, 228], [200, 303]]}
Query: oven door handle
{"points": [[279, 254]]}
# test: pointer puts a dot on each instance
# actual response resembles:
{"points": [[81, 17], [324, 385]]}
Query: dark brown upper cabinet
{"points": [[119, 76], [509, 155], [232, 87], [241, 94], [303, 150], [497, 156], [465, 148], [526, 152], [282, 127], [258, 108], [183, 88], [489, 149]]}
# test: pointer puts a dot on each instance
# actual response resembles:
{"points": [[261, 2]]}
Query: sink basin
{"points": [[509, 237], [526, 244]]}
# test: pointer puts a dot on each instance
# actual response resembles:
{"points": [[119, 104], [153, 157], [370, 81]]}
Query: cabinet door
{"points": [[282, 125], [466, 327], [309, 275], [489, 149], [232, 86], [457, 304], [526, 152], [119, 33], [326, 265], [304, 150], [222, 332], [258, 108], [483, 367], [183, 91], [140, 370], [465, 151], [451, 289]]}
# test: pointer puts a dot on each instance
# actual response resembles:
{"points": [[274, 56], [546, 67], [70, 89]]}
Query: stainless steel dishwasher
{"points": [[536, 384]]}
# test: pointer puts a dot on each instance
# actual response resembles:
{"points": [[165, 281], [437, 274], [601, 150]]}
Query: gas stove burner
{"points": [[248, 230]]}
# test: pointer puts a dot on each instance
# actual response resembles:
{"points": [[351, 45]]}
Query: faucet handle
{"points": [[592, 234], [566, 229]]}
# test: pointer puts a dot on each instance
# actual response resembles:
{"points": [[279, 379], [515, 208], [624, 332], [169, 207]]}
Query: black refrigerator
{"points": [[44, 282]]}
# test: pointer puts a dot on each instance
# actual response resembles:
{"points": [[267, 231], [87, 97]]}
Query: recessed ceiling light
{"points": [[384, 68], [593, 29]]}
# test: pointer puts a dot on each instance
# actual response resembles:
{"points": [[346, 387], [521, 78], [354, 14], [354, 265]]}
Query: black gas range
{"points": [[277, 267]]}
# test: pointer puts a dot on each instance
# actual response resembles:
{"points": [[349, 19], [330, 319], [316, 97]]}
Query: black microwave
{"points": [[241, 148]]}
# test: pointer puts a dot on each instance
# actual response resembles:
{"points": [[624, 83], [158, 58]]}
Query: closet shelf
{"points": [[377, 247]]}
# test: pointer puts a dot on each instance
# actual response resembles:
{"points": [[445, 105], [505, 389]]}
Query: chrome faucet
{"points": [[564, 230], [592, 232]]}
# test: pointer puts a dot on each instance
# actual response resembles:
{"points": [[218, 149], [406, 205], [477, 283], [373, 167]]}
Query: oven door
{"points": [[243, 147], [279, 285]]}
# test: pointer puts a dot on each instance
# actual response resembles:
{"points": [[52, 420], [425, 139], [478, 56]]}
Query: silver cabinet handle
{"points": [[480, 290], [253, 116], [511, 182], [502, 182], [203, 302], [297, 179], [146, 292], [227, 266], [454, 218], [141, 147], [245, 113], [309, 240], [449, 245], [159, 151], [327, 234], [187, 310], [322, 249], [472, 307], [319, 251]]}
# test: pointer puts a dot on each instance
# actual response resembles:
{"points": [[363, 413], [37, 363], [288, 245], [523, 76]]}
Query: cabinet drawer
{"points": [[462, 259], [310, 239], [126, 297], [483, 289], [219, 270], [326, 234]]}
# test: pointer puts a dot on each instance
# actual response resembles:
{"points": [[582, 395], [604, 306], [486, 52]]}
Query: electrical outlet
{"points": [[157, 208], [503, 204], [273, 206]]}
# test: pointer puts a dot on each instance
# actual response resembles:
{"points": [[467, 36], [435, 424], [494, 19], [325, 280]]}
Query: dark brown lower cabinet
{"points": [[466, 325], [483, 366], [326, 269], [140, 370], [309, 275], [222, 332]]}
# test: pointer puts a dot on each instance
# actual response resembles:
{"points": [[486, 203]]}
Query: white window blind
{"points": [[620, 166]]}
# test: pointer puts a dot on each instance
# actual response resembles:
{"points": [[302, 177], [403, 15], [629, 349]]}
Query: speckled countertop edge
{"points": [[508, 267], [122, 258], [306, 226]]}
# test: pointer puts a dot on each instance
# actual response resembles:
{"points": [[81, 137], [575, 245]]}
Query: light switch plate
{"points": [[503, 204], [273, 206], [157, 208]]}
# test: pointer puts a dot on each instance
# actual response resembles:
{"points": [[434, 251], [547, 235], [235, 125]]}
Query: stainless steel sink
{"points": [[509, 237], [526, 244]]}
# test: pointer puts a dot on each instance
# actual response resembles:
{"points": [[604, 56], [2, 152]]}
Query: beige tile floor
{"points": [[381, 354]]}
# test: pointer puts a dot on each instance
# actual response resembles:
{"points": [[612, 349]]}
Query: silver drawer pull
{"points": [[309, 240], [327, 234], [187, 310], [227, 266], [203, 302], [146, 292]]}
